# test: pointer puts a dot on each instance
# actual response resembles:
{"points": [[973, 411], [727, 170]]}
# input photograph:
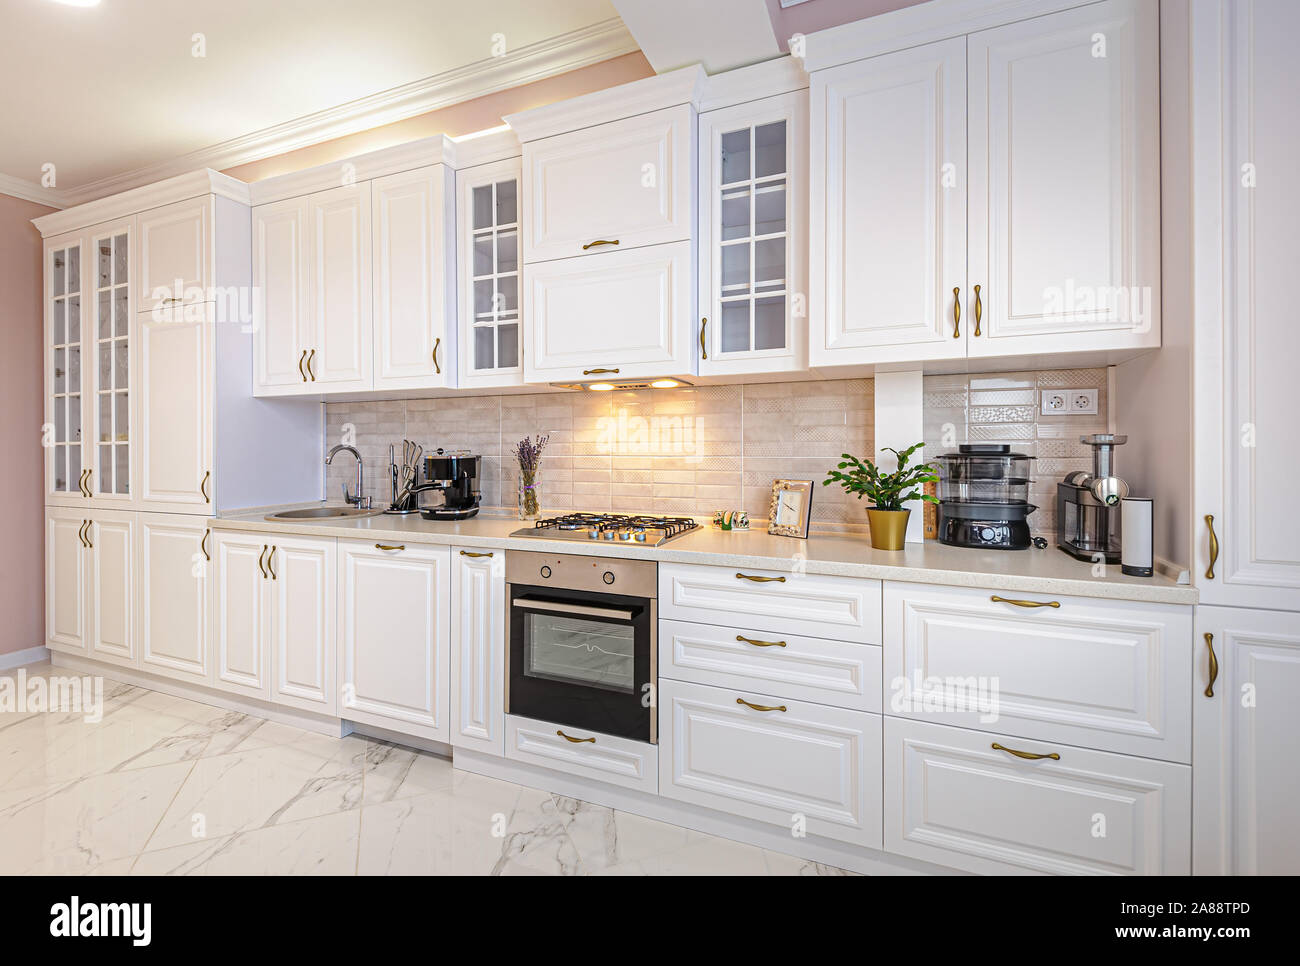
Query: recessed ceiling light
{"points": [[601, 386]]}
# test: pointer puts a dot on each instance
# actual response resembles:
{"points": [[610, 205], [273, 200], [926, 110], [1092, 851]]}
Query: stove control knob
{"points": [[546, 571], [607, 576]]}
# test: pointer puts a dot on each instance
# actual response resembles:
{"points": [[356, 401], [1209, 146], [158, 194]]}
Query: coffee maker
{"points": [[455, 475], [1088, 505]]}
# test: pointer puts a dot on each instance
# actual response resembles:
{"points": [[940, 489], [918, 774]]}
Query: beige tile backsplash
{"points": [[696, 450]]}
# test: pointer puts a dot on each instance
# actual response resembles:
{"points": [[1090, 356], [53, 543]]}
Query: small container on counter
{"points": [[1137, 553]]}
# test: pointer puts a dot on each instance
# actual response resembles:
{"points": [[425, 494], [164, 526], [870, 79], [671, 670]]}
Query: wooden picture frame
{"points": [[790, 510]]}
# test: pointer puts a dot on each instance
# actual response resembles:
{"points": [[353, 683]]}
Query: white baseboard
{"points": [[32, 655]]}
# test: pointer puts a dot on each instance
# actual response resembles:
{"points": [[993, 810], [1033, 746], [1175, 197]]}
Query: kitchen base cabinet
{"points": [[110, 580], [302, 625], [605, 758], [393, 636], [1246, 773], [173, 575], [965, 799], [478, 647], [810, 768], [65, 580], [241, 601]]}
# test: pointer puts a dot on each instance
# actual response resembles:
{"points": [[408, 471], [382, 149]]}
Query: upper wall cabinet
{"points": [[176, 255], [963, 213], [487, 283], [753, 220]]}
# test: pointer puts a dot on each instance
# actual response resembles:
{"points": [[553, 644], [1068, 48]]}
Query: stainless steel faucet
{"points": [[358, 500]]}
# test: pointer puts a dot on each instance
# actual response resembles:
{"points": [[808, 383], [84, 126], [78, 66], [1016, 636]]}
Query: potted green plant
{"points": [[887, 492]]}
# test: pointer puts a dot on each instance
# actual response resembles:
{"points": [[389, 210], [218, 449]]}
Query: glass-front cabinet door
{"points": [[110, 399], [487, 225], [753, 231], [66, 466]]}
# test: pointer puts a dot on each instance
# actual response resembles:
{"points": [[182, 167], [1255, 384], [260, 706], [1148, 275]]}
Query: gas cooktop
{"points": [[610, 528]]}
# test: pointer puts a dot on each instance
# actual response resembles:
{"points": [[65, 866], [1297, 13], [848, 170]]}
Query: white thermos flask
{"points": [[1136, 555]]}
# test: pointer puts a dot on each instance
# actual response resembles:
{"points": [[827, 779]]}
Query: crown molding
{"points": [[422, 153], [127, 203], [534, 62], [780, 75], [682, 86], [484, 147], [31, 191]]}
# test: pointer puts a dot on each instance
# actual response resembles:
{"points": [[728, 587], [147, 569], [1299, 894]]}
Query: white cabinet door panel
{"points": [[478, 647], [175, 435], [619, 761], [65, 580], [112, 557], [280, 302], [303, 595], [340, 351], [173, 596], [175, 255], [240, 613]]}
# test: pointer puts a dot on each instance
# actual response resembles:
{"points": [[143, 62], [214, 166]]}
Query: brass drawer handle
{"points": [[1025, 603], [761, 580], [750, 640], [81, 532], [90, 482], [301, 359], [310, 359], [437, 342], [576, 741], [81, 483], [597, 372], [471, 553], [270, 563], [1027, 755], [172, 300], [956, 313], [203, 487], [600, 241], [203, 545], [389, 546], [1214, 547], [90, 528], [704, 352], [979, 311], [761, 707], [1214, 665], [261, 561]]}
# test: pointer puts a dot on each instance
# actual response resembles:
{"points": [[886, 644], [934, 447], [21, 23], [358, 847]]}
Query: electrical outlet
{"points": [[1073, 402]]}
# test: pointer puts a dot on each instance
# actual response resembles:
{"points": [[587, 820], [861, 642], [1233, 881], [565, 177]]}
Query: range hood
{"points": [[609, 385]]}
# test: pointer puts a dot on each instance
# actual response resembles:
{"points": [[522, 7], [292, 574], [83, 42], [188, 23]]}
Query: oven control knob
{"points": [[607, 576], [546, 571]]}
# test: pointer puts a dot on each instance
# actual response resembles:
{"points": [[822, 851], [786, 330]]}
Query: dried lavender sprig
{"points": [[529, 454]]}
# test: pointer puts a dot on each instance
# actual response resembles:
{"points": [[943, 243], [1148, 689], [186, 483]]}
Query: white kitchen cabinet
{"points": [[241, 606], [594, 755], [282, 324], [626, 184], [1065, 244], [478, 648], [1246, 774], [110, 584], [301, 645], [65, 580], [812, 769], [487, 290], [753, 226], [394, 626], [173, 588], [888, 193], [65, 435], [340, 346], [965, 799], [623, 315], [413, 276], [176, 256]]}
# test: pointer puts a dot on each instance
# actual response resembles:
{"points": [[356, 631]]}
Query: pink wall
{"points": [[464, 118], [22, 564]]}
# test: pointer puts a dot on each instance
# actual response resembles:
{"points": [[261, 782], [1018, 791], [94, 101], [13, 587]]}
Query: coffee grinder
{"points": [[1088, 505]]}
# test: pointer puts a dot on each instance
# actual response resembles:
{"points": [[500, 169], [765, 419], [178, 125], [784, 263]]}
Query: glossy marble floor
{"points": [[165, 785]]}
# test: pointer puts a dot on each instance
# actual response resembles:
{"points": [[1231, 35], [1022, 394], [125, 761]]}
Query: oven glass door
{"points": [[581, 659]]}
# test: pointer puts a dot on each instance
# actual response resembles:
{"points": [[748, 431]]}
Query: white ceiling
{"points": [[109, 89], [720, 34]]}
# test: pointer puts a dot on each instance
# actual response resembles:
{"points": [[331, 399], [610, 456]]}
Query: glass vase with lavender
{"points": [[528, 451]]}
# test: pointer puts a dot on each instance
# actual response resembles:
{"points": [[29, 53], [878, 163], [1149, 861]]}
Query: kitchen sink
{"points": [[322, 513]]}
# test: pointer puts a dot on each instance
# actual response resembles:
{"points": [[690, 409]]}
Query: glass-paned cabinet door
{"points": [[111, 325], [65, 288], [753, 217], [487, 216]]}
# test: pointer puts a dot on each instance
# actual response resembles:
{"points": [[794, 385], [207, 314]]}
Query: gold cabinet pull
{"points": [[1025, 603], [81, 481], [979, 311], [1214, 665], [203, 545], [600, 241], [203, 487], [389, 546], [576, 741], [1027, 755], [261, 562], [90, 486], [437, 342], [597, 372], [956, 313], [301, 359], [761, 707], [761, 580], [750, 640], [471, 553], [90, 526], [704, 352], [311, 357], [270, 562], [81, 532], [1214, 547], [170, 300]]}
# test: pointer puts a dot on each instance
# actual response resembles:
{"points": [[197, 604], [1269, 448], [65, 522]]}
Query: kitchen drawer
{"points": [[839, 608], [839, 673], [806, 766], [619, 761], [1107, 674], [954, 799]]}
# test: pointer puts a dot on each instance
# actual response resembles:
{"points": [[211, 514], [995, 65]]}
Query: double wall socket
{"points": [[1075, 402]]}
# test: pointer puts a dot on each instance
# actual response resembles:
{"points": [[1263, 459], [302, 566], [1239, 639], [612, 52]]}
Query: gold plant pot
{"points": [[888, 528]]}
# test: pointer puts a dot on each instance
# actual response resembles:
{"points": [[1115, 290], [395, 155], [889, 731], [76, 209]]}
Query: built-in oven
{"points": [[581, 642]]}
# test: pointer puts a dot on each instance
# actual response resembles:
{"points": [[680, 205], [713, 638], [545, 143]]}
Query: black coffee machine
{"points": [[455, 474]]}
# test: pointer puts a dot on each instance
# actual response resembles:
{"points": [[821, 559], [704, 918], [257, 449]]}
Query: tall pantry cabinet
{"points": [[150, 425]]}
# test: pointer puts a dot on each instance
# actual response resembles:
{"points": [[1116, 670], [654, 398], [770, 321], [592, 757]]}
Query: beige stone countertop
{"points": [[1047, 571]]}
